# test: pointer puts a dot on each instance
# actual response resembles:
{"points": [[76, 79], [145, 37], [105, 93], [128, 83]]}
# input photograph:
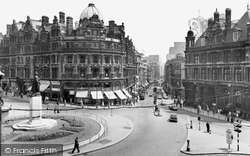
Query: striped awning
{"points": [[120, 94], [110, 95], [126, 93]]}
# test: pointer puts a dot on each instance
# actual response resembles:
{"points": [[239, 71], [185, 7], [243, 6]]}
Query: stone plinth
{"points": [[35, 121]]}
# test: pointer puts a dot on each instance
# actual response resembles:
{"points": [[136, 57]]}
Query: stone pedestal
{"points": [[35, 107], [34, 123]]}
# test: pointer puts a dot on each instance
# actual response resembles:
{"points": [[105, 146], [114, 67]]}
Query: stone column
{"points": [[35, 104]]}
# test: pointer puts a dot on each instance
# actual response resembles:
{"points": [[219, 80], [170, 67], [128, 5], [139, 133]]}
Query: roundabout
{"points": [[68, 127]]}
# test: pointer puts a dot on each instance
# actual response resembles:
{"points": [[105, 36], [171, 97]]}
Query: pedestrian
{"points": [[1, 101], [208, 127], [55, 110], [76, 146]]}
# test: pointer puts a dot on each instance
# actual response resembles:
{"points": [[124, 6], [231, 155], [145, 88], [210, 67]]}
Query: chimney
{"points": [[45, 20], [210, 20], [76, 24], [69, 25], [8, 28], [216, 16], [55, 20], [62, 17], [111, 29], [228, 18]]}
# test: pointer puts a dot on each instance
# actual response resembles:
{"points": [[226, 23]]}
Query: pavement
{"points": [[203, 143]]}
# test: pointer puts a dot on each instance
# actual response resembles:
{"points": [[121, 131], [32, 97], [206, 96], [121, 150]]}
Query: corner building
{"points": [[79, 62], [218, 66]]}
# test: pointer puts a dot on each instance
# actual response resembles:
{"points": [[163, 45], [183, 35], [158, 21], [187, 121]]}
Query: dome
{"points": [[90, 11], [190, 33]]}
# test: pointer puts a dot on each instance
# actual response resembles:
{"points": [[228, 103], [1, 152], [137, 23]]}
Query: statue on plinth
{"points": [[35, 89]]}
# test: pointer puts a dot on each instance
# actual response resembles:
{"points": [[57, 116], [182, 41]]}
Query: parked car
{"points": [[173, 117], [164, 102], [142, 96]]}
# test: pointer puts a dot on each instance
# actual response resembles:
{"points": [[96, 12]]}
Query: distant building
{"points": [[153, 66], [177, 49]]}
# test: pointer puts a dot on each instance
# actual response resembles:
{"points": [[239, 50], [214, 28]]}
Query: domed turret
{"points": [[190, 33], [91, 10]]}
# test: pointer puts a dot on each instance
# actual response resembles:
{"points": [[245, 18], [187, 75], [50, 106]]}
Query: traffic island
{"points": [[64, 133]]}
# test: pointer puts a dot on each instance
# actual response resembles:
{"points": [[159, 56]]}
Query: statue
{"points": [[35, 89]]}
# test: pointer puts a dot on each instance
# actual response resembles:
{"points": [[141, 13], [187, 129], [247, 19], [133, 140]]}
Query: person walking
{"points": [[76, 146]]}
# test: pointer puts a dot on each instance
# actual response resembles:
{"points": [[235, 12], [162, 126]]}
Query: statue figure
{"points": [[35, 89]]}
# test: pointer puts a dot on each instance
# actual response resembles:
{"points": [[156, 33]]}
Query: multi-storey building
{"points": [[85, 60], [174, 73], [218, 65]]}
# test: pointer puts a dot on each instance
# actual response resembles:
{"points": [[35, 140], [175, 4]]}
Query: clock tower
{"points": [[190, 39]]}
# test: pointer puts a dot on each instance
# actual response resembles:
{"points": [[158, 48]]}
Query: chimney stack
{"points": [[45, 20], [228, 18], [216, 16], [69, 25], [62, 17], [8, 28]]}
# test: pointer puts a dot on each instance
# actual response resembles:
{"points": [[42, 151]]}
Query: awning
{"points": [[42, 87], [120, 94], [82, 94], [126, 93], [96, 95], [110, 95]]}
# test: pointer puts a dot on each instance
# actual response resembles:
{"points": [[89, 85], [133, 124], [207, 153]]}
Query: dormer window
{"points": [[235, 36], [203, 42]]}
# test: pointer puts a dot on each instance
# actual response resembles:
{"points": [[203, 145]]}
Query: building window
{"points": [[204, 58], [203, 42], [107, 59], [82, 58], [235, 36], [237, 56], [82, 72], [95, 59], [95, 72], [227, 56], [237, 74], [106, 72], [196, 74], [196, 59], [215, 74], [214, 58], [227, 74], [69, 72], [203, 74], [69, 59], [54, 73]]}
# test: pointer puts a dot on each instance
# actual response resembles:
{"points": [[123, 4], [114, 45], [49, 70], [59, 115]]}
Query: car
{"points": [[170, 107], [150, 95], [173, 117], [174, 108], [164, 102]]}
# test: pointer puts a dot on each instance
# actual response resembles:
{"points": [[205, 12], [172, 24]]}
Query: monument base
{"points": [[35, 124]]}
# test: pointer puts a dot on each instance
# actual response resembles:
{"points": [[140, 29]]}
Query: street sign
{"points": [[229, 134]]}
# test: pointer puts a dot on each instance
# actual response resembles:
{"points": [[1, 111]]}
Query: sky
{"points": [[153, 26]]}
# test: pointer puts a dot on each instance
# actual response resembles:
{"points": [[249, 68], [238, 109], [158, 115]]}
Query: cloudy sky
{"points": [[153, 26]]}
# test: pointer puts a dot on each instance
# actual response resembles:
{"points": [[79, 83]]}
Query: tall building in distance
{"points": [[177, 49], [153, 67]]}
